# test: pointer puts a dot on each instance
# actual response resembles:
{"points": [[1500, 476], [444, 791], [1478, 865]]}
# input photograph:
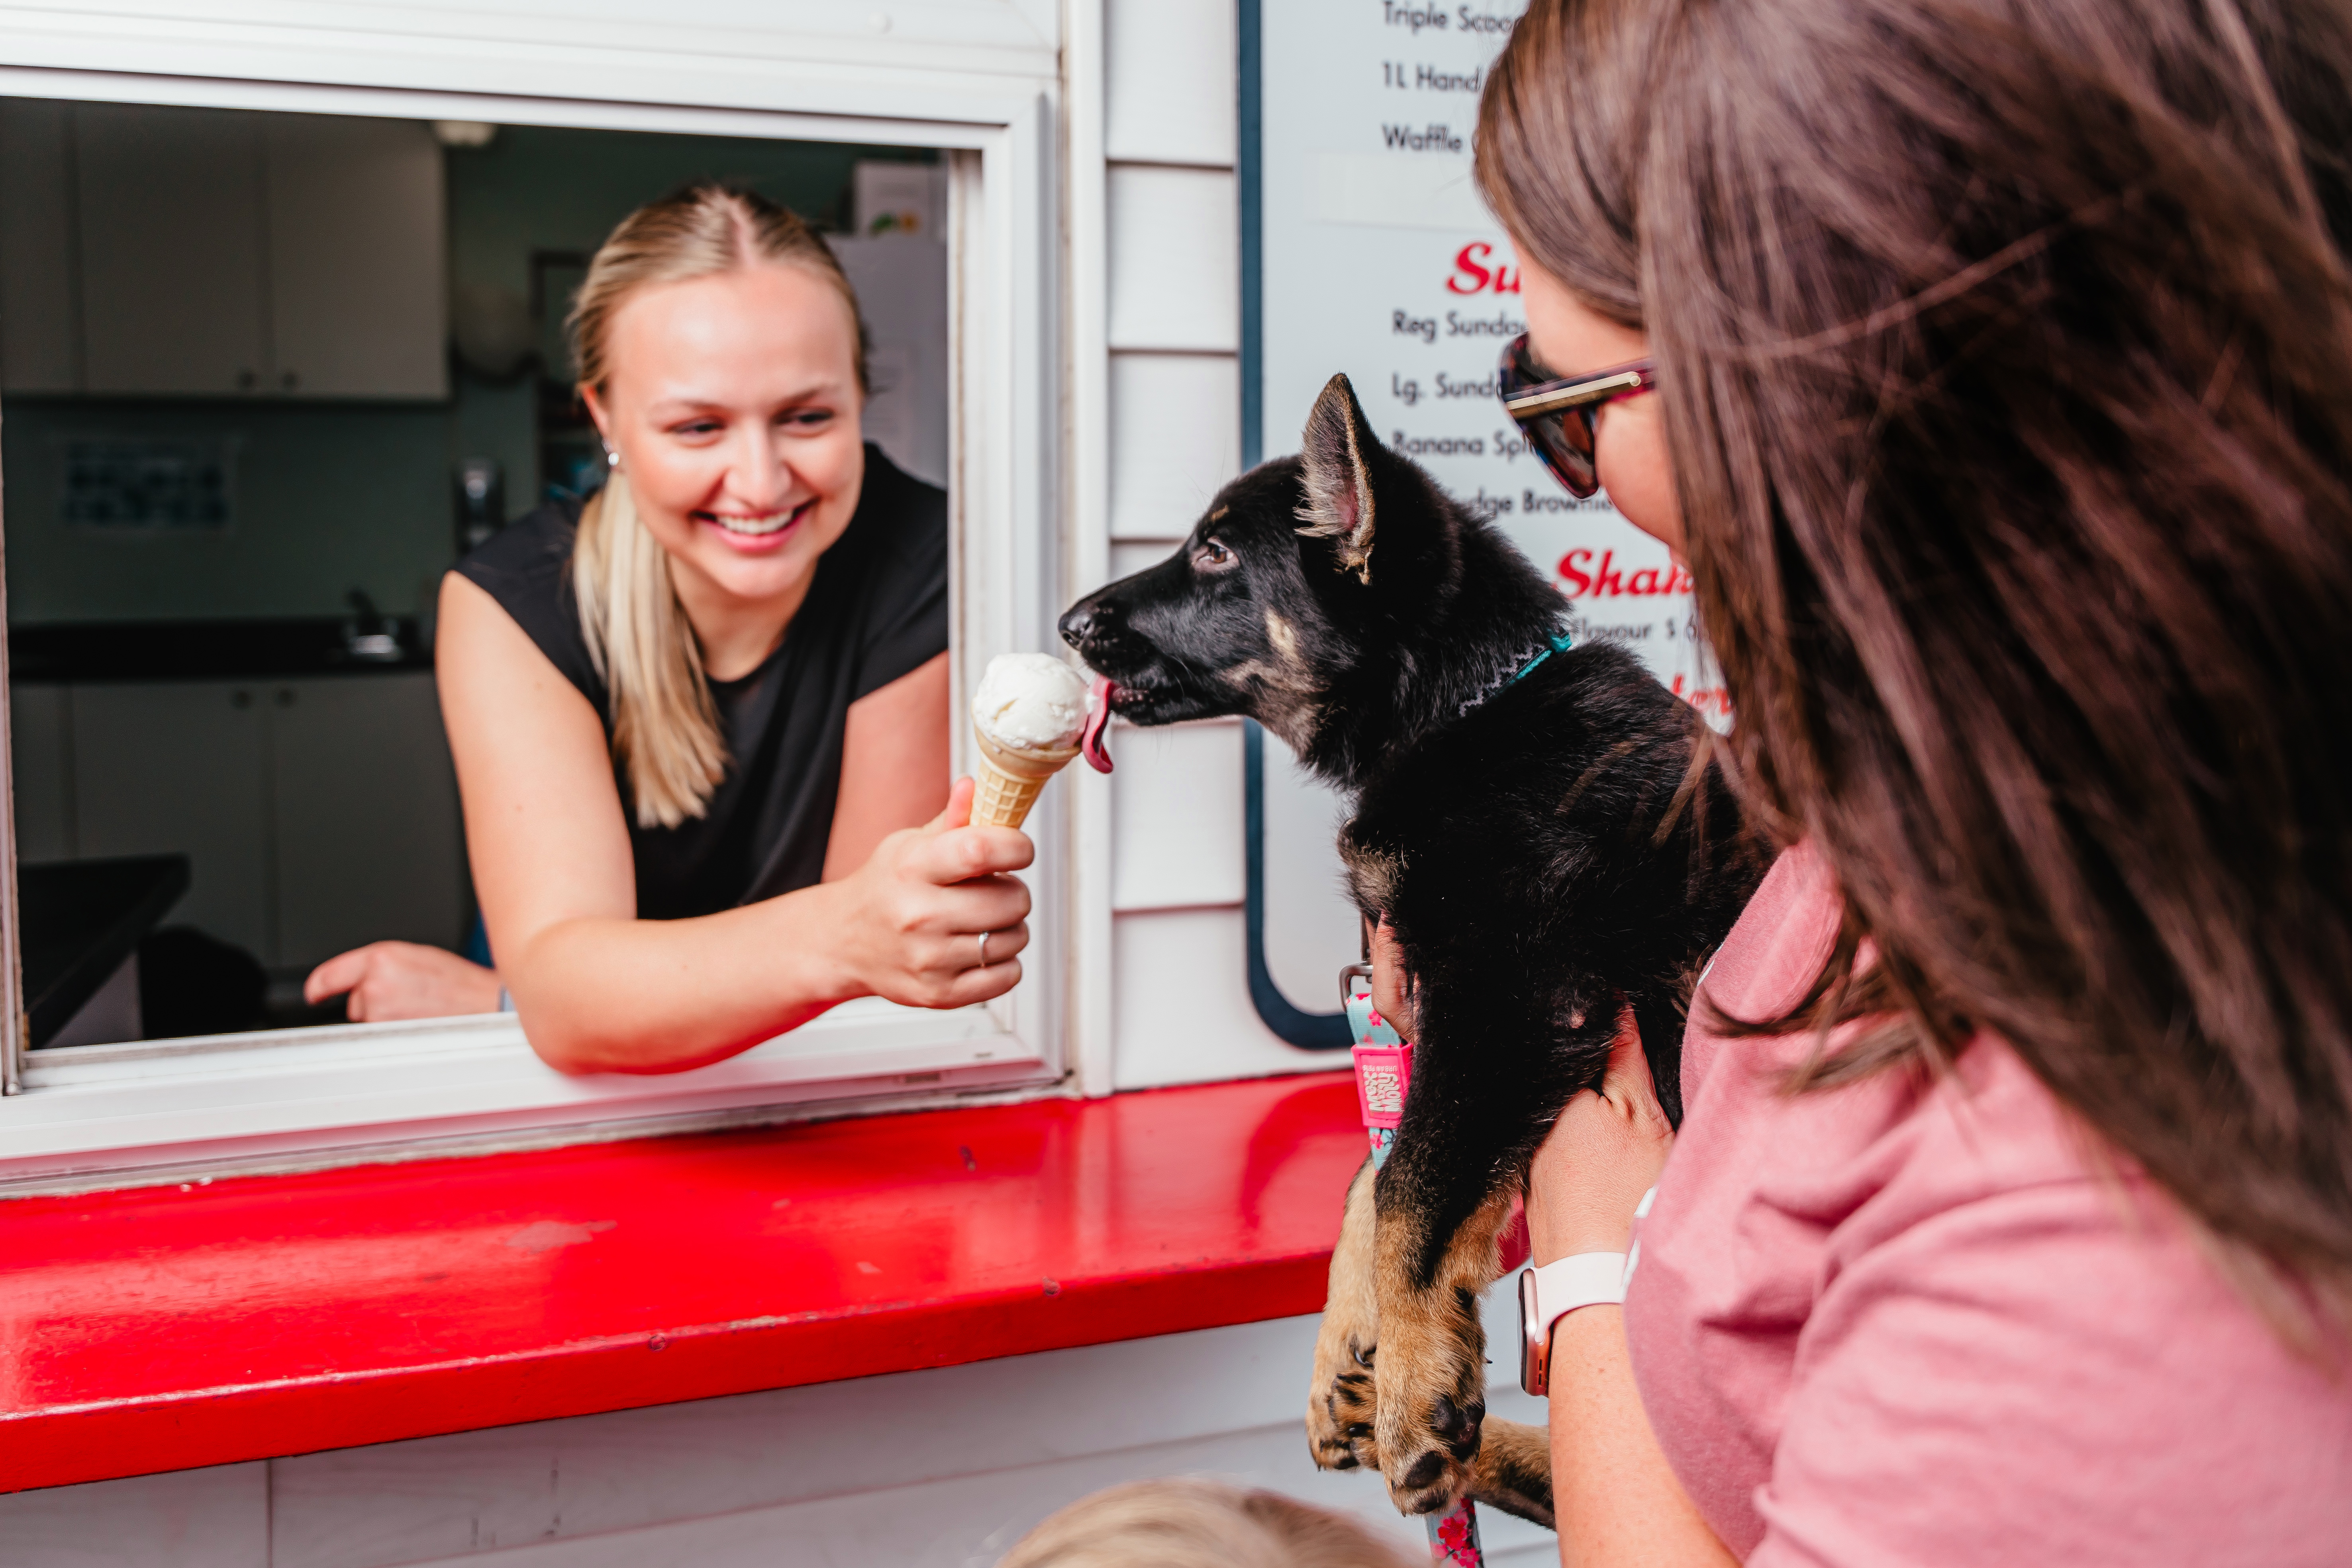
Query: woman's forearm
{"points": [[1614, 1497], [627, 996], [601, 993]]}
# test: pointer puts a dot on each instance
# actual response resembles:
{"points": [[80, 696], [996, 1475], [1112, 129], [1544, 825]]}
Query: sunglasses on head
{"points": [[1557, 415]]}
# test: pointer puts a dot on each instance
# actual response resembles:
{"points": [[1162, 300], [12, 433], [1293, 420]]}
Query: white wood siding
{"points": [[927, 1470], [1179, 793], [1175, 269], [1170, 82], [1175, 438], [216, 1518], [1184, 1012], [1180, 1007]]}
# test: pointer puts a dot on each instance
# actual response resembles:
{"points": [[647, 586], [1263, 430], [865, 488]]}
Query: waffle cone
{"points": [[1010, 780]]}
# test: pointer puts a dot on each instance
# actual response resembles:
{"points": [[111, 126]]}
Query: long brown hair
{"points": [[2006, 348], [666, 737]]}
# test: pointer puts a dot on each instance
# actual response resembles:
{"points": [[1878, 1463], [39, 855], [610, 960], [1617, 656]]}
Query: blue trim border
{"points": [[1250, 187], [1308, 1031]]}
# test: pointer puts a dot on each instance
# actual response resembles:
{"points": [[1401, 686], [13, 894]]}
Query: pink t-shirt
{"points": [[1916, 1323]]}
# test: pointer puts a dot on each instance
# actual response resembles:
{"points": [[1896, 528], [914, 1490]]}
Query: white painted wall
{"points": [[927, 1470], [1181, 1005]]}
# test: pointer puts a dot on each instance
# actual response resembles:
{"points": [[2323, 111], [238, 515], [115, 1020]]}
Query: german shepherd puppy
{"points": [[1536, 838]]}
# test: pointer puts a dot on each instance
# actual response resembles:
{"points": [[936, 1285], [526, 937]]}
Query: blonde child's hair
{"points": [[666, 736], [1199, 1524]]}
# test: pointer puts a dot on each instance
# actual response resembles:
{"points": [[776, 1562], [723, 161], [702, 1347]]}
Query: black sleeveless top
{"points": [[877, 609]]}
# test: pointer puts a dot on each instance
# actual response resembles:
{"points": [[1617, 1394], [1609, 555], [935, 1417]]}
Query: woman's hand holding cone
{"points": [[916, 911]]}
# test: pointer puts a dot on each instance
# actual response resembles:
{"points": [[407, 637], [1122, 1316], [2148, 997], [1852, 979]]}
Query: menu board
{"points": [[1375, 256]]}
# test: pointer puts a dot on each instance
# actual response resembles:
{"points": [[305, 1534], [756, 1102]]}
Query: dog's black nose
{"points": [[1085, 620]]}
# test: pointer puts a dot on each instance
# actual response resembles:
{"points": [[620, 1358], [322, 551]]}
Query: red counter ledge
{"points": [[247, 1317]]}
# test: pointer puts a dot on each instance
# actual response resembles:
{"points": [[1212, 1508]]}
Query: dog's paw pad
{"points": [[1424, 1470], [1430, 1414], [1458, 1427]]}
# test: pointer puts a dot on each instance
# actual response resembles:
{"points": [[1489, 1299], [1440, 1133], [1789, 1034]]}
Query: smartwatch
{"points": [[1549, 1293]]}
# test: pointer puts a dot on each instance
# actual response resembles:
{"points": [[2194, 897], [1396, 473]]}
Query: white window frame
{"points": [[99, 1116]]}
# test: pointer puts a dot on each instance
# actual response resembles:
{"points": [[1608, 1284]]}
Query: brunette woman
{"points": [[701, 723], [2000, 360]]}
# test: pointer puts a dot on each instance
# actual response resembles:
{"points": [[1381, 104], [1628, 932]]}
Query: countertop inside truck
{"points": [[217, 650], [199, 1323]]}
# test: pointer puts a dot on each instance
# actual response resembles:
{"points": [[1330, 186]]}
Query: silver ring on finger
{"points": [[983, 947]]}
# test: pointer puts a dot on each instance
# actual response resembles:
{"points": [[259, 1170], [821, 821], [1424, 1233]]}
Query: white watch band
{"points": [[1549, 1293]]}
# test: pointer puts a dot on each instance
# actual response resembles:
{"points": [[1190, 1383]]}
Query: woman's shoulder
{"points": [[525, 567], [1901, 1144], [534, 549], [1770, 955]]}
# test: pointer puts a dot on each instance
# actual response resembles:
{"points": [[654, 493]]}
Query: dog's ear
{"points": [[1335, 454]]}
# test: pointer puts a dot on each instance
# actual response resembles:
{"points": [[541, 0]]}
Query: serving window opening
{"points": [[264, 377]]}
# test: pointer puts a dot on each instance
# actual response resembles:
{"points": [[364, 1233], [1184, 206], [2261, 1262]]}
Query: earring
{"points": [[612, 458]]}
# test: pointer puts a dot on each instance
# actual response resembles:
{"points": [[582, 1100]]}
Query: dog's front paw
{"points": [[1430, 1387], [1340, 1405], [1339, 1402]]}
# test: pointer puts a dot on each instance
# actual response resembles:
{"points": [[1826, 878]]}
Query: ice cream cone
{"points": [[1011, 778]]}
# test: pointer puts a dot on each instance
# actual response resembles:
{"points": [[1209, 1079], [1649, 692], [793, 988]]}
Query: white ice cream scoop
{"points": [[1031, 702], [1030, 714]]}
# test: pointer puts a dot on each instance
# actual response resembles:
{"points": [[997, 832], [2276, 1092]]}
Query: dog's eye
{"points": [[1212, 556]]}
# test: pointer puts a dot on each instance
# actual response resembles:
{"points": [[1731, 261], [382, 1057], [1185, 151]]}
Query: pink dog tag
{"points": [[1383, 1061], [1383, 1075]]}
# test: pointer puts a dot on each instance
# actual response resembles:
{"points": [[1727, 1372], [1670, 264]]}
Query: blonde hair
{"points": [[1198, 1524], [665, 735]]}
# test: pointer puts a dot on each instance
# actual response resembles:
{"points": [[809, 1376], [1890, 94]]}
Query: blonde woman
{"points": [[702, 723]]}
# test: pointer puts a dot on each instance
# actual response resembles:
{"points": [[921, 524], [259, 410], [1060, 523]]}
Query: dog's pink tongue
{"points": [[1090, 744]]}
